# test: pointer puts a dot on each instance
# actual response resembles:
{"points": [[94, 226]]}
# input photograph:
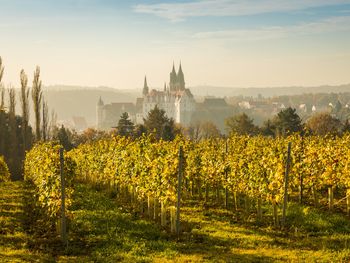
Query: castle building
{"points": [[175, 99], [108, 115]]}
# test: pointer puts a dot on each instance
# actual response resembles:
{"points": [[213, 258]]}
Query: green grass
{"points": [[101, 231], [14, 239]]}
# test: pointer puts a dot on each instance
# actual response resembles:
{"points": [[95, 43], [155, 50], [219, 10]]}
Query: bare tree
{"points": [[2, 97], [2, 108], [37, 97], [53, 124], [25, 107], [13, 154], [12, 101], [2, 90], [45, 128], [1, 70]]}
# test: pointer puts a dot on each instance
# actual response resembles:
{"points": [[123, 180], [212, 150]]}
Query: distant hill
{"points": [[79, 101], [265, 91]]}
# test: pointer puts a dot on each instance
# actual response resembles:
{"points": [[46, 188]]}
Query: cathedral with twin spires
{"points": [[175, 99]]}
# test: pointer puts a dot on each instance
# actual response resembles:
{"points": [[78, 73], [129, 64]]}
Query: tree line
{"points": [[16, 134], [286, 122]]}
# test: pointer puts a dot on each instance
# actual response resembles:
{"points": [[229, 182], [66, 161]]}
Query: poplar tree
{"points": [[37, 98], [45, 128], [13, 143], [25, 109], [2, 110]]}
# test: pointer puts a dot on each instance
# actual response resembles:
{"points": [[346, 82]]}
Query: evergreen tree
{"points": [[125, 125], [140, 129], [288, 121], [346, 126], [337, 107], [268, 128], [160, 125], [63, 136]]}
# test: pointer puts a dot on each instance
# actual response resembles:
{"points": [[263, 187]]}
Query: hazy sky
{"points": [[236, 43]]}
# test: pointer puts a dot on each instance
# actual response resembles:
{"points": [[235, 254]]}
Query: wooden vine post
{"points": [[63, 215], [179, 191], [348, 202], [163, 214], [301, 177], [331, 197], [226, 172], [286, 179]]}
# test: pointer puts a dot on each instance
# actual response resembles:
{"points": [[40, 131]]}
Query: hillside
{"points": [[266, 91], [77, 101], [69, 101]]}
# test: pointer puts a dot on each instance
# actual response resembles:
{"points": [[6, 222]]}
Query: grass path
{"points": [[13, 238], [100, 231]]}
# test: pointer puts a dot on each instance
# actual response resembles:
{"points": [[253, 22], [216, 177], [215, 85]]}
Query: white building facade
{"points": [[176, 100]]}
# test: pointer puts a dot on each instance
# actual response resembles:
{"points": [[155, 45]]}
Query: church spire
{"points": [[173, 79], [100, 102], [181, 78], [145, 87]]}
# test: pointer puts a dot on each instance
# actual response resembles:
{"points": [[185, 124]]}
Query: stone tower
{"points": [[173, 79], [145, 88], [180, 79], [177, 81]]}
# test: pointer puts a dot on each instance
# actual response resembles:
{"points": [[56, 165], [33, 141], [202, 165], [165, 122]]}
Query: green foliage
{"points": [[16, 241], [125, 125], [12, 142], [158, 124], [149, 166], [324, 123], [288, 121], [252, 166], [241, 124], [63, 135], [42, 168], [4, 171]]}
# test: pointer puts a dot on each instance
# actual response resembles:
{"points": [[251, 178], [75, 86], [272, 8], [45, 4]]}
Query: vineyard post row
{"points": [[286, 178], [63, 199], [179, 187], [51, 174], [251, 169]]}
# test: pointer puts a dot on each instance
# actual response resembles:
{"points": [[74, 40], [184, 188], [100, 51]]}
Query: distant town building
{"points": [[108, 115], [245, 105]]}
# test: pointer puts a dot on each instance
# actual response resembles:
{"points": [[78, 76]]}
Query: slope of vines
{"points": [[42, 168], [4, 171], [252, 167]]}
